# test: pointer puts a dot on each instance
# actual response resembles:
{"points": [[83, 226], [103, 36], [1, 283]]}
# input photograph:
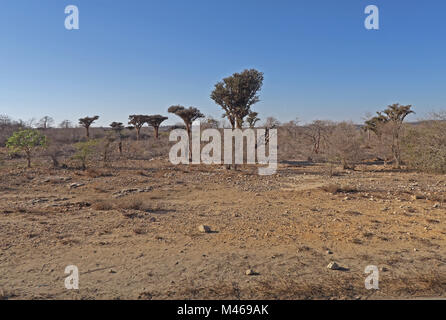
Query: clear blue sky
{"points": [[140, 56]]}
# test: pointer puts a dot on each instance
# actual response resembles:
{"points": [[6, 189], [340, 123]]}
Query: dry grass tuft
{"points": [[103, 205], [136, 202]]}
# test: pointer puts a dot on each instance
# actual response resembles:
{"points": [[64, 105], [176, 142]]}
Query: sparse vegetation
{"points": [[26, 141], [84, 150]]}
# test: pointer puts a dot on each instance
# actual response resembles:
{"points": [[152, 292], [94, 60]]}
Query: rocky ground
{"points": [[133, 231]]}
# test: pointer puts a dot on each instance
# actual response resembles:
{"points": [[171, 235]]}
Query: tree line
{"points": [[384, 135]]}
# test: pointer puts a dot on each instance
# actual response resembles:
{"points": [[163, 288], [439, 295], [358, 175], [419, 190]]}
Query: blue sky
{"points": [[140, 56]]}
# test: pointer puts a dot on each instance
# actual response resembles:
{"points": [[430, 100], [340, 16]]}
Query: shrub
{"points": [[424, 147], [344, 145], [84, 151], [26, 141]]}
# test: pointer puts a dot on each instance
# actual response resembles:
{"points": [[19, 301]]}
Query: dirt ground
{"points": [[132, 231]]}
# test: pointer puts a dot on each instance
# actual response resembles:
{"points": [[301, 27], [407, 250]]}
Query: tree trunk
{"points": [[55, 161], [156, 132], [87, 132], [28, 158]]}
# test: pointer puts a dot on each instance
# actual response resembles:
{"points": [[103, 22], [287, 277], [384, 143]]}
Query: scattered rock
{"points": [[353, 213], [204, 229], [333, 266], [329, 252], [56, 179], [76, 185], [251, 272], [435, 206]]}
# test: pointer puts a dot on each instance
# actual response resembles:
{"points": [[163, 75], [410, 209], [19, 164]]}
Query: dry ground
{"points": [[132, 230]]}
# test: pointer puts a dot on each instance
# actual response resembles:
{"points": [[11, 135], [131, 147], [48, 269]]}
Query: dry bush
{"points": [[379, 144], [424, 147], [103, 205], [307, 142], [133, 203], [344, 145], [316, 138], [65, 136]]}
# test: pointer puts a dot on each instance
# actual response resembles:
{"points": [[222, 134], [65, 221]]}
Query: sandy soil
{"points": [[132, 230]]}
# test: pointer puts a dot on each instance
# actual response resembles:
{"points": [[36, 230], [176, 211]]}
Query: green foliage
{"points": [[237, 93], [84, 150], [25, 141]]}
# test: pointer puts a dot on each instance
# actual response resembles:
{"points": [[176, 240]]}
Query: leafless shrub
{"points": [[424, 146], [133, 203], [317, 134], [103, 205], [344, 145]]}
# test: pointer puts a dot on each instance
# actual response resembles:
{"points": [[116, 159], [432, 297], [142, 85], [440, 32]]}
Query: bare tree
{"points": [[65, 124], [138, 121], [86, 123], [45, 123], [344, 144], [237, 93], [155, 121], [271, 123], [317, 132]]}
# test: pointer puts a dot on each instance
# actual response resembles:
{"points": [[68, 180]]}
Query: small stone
{"points": [[435, 206], [112, 271], [250, 272], [329, 252], [204, 229], [383, 269], [76, 185], [333, 266]]}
